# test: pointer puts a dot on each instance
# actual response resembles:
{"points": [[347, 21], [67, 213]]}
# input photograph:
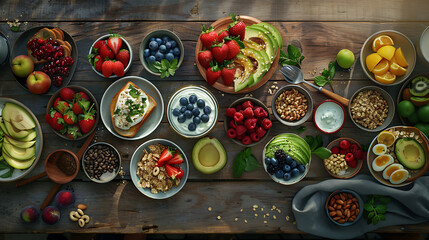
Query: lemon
{"points": [[387, 52], [387, 138]]}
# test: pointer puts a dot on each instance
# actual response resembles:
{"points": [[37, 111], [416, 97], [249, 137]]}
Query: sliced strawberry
{"points": [[174, 172], [115, 42], [166, 155], [177, 159]]}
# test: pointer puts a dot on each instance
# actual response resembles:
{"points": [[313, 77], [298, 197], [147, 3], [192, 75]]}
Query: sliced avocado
{"points": [[419, 86], [208, 155], [410, 153], [261, 50], [15, 133], [3, 127], [20, 144], [243, 78], [31, 136], [18, 164], [268, 44], [419, 101], [274, 32], [17, 153], [260, 67], [269, 35], [18, 116], [293, 145]]}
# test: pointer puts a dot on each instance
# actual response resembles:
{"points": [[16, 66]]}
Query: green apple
{"points": [[22, 66], [345, 58], [38, 82]]}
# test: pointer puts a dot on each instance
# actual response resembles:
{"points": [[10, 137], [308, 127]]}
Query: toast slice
{"points": [[60, 32], [44, 33], [134, 129]]}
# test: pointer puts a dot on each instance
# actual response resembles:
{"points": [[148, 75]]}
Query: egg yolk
{"points": [[390, 170], [381, 161], [379, 149], [398, 176]]}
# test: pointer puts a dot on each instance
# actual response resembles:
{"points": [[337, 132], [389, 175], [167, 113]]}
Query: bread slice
{"points": [[44, 33], [134, 129], [60, 32], [67, 49]]}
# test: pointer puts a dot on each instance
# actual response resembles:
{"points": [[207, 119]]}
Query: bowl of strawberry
{"points": [[247, 121], [72, 113], [110, 56], [346, 158]]}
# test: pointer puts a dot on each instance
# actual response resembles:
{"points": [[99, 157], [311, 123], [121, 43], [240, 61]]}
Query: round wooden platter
{"points": [[218, 26]]}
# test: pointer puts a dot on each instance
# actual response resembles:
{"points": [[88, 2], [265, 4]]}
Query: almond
{"points": [[82, 206]]}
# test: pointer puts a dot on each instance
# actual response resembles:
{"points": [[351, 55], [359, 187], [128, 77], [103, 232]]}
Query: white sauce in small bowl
{"points": [[329, 116]]}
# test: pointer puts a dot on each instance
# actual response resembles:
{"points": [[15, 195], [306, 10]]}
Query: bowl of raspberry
{"points": [[247, 121], [346, 159]]}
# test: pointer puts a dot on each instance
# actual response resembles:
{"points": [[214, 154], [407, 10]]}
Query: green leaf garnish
{"points": [[293, 57]]}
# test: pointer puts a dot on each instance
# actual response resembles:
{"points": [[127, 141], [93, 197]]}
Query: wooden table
{"points": [[321, 28]]}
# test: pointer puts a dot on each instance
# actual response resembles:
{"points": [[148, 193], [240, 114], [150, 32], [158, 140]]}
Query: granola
{"points": [[369, 109]]}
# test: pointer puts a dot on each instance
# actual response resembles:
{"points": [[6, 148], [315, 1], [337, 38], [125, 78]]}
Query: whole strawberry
{"points": [[81, 95], [55, 119], [237, 27], [69, 117], [79, 107], [118, 68], [234, 47], [107, 68], [67, 94], [213, 74], [60, 105], [220, 52], [223, 34], [208, 36], [98, 45], [87, 120], [106, 53], [204, 58], [228, 75], [124, 57], [98, 62], [73, 132]]}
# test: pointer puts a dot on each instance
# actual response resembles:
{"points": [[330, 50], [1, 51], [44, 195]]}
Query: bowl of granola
{"points": [[159, 168]]}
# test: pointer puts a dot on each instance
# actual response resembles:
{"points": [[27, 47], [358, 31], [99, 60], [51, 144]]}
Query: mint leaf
{"points": [[293, 52], [239, 165], [293, 57], [320, 80], [251, 164], [157, 65], [301, 129], [322, 152], [368, 207], [384, 200], [381, 209], [331, 70]]}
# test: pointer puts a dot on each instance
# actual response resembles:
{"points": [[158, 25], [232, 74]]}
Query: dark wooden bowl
{"points": [[54, 172]]}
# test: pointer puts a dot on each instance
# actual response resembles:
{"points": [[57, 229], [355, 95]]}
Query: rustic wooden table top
{"points": [[321, 28]]}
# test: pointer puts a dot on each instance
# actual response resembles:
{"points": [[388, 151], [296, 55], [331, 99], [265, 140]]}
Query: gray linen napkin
{"points": [[409, 206]]}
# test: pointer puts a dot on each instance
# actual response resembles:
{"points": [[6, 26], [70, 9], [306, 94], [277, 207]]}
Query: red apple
{"points": [[64, 198], [22, 66], [51, 215], [38, 82], [29, 214]]}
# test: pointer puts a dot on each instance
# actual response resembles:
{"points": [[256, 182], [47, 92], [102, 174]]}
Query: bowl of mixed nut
{"points": [[371, 109], [159, 168], [292, 105], [344, 207], [101, 162], [346, 158]]}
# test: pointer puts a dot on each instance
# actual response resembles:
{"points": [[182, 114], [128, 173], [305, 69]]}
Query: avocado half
{"points": [[410, 153], [209, 155]]}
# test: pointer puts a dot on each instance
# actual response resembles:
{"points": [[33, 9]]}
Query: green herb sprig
{"points": [[375, 208], [165, 67], [245, 161], [293, 57], [7, 174], [316, 146], [301, 129], [326, 77]]}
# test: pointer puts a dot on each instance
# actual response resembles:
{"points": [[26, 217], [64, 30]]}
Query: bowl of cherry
{"points": [[247, 121]]}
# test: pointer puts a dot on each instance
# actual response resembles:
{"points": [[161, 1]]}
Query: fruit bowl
{"points": [[400, 41], [349, 172], [301, 158], [345, 194], [125, 45], [153, 36], [254, 135], [220, 25], [92, 100]]}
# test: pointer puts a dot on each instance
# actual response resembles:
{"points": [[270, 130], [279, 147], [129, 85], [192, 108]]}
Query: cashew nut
{"points": [[155, 171], [85, 218], [72, 216], [80, 212], [81, 222]]}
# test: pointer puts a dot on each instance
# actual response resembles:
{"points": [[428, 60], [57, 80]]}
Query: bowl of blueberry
{"points": [[287, 158], [157, 46], [192, 111]]}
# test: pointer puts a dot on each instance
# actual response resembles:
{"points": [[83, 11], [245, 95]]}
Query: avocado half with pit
{"points": [[410, 153], [208, 155]]}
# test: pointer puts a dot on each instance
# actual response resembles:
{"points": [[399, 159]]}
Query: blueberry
{"points": [[152, 39], [151, 59], [267, 160], [286, 176], [289, 159], [201, 103], [293, 164], [153, 45], [286, 168], [196, 112], [169, 56], [193, 99], [165, 39], [152, 53], [168, 45], [204, 118], [182, 109], [190, 106], [301, 168], [176, 57], [176, 51], [146, 52], [274, 161], [188, 114], [183, 101], [207, 110], [192, 126], [197, 120], [280, 174], [173, 43], [158, 40], [181, 118], [162, 48], [295, 172], [159, 56], [176, 112], [171, 51]]}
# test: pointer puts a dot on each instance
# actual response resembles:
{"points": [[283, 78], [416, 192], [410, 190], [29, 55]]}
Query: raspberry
{"points": [[344, 144], [231, 133], [247, 104], [344, 151], [240, 130], [238, 117], [251, 130], [254, 136], [238, 107], [232, 124], [248, 112], [246, 140], [260, 112], [250, 123], [266, 123], [335, 150], [260, 131], [354, 148], [352, 164], [349, 157], [230, 112], [358, 155]]}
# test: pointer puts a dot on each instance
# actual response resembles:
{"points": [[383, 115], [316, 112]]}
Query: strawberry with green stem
{"points": [[174, 172], [213, 73], [237, 27], [87, 120], [208, 36], [166, 155], [73, 132], [115, 42]]}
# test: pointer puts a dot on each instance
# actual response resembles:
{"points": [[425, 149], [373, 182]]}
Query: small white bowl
{"points": [[113, 174]]}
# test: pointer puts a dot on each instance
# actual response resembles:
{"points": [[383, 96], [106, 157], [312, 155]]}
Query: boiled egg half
{"points": [[379, 149], [390, 169], [399, 176], [381, 162]]}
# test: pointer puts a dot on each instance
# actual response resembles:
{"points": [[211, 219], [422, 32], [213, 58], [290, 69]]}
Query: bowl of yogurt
{"points": [[424, 45], [192, 111], [329, 116]]}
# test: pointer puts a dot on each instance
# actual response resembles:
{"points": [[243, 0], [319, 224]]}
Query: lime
{"points": [[345, 58], [406, 108], [413, 118], [423, 127], [423, 113]]}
